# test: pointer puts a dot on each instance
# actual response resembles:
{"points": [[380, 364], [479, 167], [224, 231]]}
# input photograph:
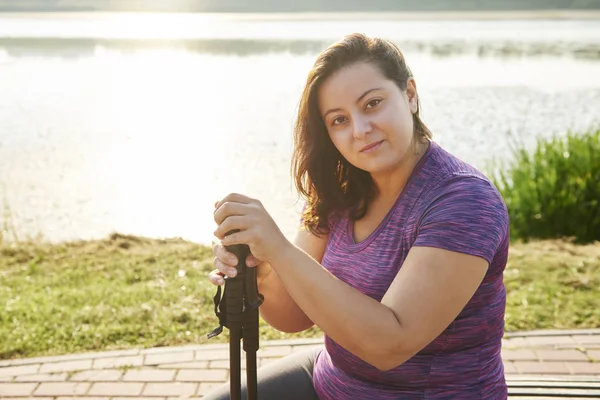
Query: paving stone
{"points": [[536, 341], [149, 375], [571, 346], [584, 368], [593, 354], [224, 364], [169, 358], [516, 342], [17, 389], [167, 349], [66, 366], [188, 365], [86, 398], [19, 370], [207, 387], [114, 389], [193, 371], [561, 355], [31, 398], [113, 353], [202, 375], [587, 339], [62, 389], [145, 398], [170, 389], [97, 375], [210, 355], [115, 362], [548, 367], [292, 342], [509, 368], [60, 377], [50, 359], [179, 398], [519, 355], [554, 332]]}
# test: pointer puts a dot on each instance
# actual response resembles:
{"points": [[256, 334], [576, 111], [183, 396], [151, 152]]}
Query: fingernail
{"points": [[232, 260], [231, 271]]}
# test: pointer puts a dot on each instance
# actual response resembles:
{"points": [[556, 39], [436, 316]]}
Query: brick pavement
{"points": [[191, 371]]}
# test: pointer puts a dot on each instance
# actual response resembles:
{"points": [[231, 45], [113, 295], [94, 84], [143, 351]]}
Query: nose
{"points": [[361, 126]]}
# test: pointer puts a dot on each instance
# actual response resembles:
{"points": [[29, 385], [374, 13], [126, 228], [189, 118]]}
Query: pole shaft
{"points": [[235, 384]]}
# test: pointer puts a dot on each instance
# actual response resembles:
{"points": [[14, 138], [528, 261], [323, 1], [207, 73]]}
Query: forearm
{"points": [[360, 324], [278, 309]]}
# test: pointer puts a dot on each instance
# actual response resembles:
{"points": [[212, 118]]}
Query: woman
{"points": [[401, 253]]}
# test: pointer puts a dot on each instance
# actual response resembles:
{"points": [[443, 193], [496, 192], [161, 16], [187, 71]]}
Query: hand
{"points": [[225, 263], [256, 227]]}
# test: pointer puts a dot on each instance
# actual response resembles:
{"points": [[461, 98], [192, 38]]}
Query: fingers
{"points": [[225, 262], [228, 210], [224, 256], [233, 198], [252, 261], [216, 277], [232, 223], [239, 237]]}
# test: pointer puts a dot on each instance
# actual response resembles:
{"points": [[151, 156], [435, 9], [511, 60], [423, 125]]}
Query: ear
{"points": [[411, 92]]}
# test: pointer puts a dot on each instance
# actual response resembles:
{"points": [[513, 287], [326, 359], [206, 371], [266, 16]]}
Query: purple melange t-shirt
{"points": [[446, 204]]}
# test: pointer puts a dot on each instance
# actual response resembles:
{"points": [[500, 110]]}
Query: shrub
{"points": [[554, 191]]}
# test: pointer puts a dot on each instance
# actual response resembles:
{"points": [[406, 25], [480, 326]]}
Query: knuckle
{"points": [[221, 266]]}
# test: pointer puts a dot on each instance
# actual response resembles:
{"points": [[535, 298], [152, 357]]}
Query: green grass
{"points": [[125, 292], [116, 293], [554, 190]]}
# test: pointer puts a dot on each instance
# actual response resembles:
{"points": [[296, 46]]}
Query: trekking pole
{"points": [[237, 310]]}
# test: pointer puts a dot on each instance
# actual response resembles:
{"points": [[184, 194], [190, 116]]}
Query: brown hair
{"points": [[322, 175]]}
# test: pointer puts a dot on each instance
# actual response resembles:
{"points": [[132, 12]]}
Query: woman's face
{"points": [[368, 118]]}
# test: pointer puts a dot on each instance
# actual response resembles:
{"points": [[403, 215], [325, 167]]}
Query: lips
{"points": [[371, 146]]}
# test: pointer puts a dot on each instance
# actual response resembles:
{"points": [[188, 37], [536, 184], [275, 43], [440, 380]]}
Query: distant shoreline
{"points": [[338, 16]]}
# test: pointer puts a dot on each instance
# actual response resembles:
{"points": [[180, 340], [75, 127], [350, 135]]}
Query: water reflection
{"points": [[81, 48], [107, 128]]}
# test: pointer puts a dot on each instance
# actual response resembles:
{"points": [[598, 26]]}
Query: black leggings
{"points": [[288, 378]]}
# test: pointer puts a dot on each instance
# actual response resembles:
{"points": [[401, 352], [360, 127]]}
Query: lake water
{"points": [[138, 123]]}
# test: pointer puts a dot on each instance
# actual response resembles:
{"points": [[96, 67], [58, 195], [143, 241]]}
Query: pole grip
{"points": [[253, 299]]}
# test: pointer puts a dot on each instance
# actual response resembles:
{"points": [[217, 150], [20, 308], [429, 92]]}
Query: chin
{"points": [[378, 167]]}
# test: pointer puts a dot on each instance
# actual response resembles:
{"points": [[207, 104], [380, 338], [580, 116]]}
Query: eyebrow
{"points": [[362, 96]]}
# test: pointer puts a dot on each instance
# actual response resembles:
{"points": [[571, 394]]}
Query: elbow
{"points": [[289, 325], [293, 328]]}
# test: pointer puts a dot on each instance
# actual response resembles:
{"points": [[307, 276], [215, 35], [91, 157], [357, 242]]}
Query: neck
{"points": [[391, 183]]}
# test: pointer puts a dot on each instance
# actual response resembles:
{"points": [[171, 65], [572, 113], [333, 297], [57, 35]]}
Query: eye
{"points": [[373, 103], [338, 120]]}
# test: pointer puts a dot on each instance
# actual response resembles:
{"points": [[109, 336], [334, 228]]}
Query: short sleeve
{"points": [[466, 214]]}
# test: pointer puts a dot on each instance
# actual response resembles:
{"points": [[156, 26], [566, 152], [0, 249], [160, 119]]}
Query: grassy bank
{"points": [[125, 292]]}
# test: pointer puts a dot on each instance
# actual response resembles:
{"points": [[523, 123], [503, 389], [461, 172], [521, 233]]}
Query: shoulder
{"points": [[462, 211], [451, 176]]}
